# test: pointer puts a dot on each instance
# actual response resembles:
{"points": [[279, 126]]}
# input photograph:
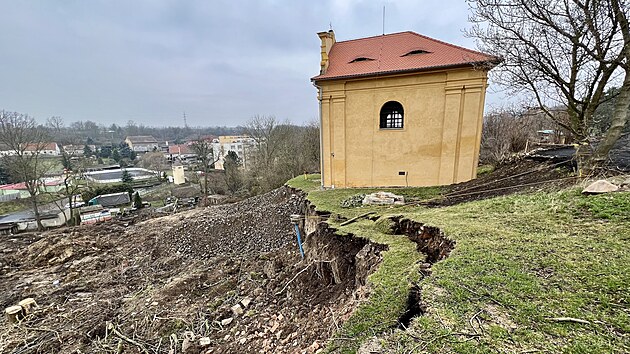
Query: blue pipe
{"points": [[299, 239]]}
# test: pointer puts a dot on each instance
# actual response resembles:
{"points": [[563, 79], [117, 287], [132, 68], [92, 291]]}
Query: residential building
{"points": [[48, 219], [15, 189], [400, 109], [142, 143], [182, 152], [48, 149], [49, 186], [77, 150], [240, 144]]}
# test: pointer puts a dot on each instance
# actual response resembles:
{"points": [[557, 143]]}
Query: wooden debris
{"points": [[28, 305], [357, 218], [14, 313], [569, 319]]}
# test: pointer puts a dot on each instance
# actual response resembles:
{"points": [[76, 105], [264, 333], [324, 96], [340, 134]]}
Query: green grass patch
{"points": [[521, 261], [13, 206], [306, 183], [612, 206], [484, 170]]}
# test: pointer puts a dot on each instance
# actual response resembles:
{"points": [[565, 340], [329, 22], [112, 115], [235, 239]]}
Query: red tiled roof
{"points": [[388, 54], [47, 146], [13, 186], [179, 149]]}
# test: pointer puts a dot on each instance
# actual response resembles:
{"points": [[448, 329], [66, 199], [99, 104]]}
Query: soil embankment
{"points": [[222, 279]]}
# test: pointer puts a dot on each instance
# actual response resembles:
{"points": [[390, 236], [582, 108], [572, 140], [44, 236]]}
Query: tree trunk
{"points": [[35, 207], [14, 313], [619, 120], [40, 227], [205, 185]]}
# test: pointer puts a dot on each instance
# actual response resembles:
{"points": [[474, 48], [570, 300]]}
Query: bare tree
{"points": [[562, 53], [621, 109], [507, 130], [281, 151], [72, 187], [154, 161], [24, 141], [55, 123], [203, 149], [268, 135], [310, 143], [265, 156]]}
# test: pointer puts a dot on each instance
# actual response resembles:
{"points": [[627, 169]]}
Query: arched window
{"points": [[392, 115]]}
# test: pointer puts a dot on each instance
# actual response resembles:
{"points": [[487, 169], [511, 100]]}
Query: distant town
{"points": [[86, 173]]}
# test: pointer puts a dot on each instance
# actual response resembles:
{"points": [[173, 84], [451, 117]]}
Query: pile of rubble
{"points": [[254, 225], [383, 198], [199, 281], [603, 186]]}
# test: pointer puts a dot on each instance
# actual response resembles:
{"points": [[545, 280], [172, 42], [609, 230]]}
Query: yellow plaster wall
{"points": [[178, 175], [438, 145]]}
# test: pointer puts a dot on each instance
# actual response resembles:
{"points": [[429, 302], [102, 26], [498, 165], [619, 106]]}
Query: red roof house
{"points": [[402, 52], [399, 109], [181, 149]]}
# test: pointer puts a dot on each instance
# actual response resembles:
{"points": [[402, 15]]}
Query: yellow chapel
{"points": [[399, 109]]}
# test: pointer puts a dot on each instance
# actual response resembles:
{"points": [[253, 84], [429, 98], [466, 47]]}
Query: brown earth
{"points": [[224, 279], [511, 177]]}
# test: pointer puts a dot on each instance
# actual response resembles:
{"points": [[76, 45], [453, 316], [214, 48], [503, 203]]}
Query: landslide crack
{"points": [[430, 241], [414, 309]]}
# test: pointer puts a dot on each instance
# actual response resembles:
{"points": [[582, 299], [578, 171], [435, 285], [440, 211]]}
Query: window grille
{"points": [[392, 115]]}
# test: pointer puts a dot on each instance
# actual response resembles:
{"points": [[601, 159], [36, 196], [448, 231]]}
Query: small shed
{"points": [[111, 200], [178, 174], [48, 220]]}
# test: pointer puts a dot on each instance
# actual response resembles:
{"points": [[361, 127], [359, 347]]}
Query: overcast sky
{"points": [[221, 62]]}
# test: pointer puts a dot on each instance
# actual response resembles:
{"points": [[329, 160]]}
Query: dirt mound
{"points": [[193, 282], [258, 224], [511, 177]]}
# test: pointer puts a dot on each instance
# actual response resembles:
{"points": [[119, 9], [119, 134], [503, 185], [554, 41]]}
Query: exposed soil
{"points": [[512, 177], [224, 279], [431, 241]]}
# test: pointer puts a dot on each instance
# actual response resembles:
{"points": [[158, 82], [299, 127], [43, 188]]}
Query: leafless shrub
{"points": [[282, 151], [507, 131]]}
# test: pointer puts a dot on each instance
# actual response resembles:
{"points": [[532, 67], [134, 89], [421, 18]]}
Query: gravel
{"points": [[255, 225]]}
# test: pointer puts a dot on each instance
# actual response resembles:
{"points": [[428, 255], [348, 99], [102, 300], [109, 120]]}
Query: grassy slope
{"points": [[24, 204], [519, 261]]}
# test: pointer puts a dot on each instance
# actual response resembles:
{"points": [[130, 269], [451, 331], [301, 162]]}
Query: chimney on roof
{"points": [[328, 39]]}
